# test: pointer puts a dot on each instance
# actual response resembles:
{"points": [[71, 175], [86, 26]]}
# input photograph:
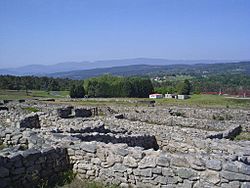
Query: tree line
{"points": [[114, 86], [36, 83], [230, 84], [103, 86]]}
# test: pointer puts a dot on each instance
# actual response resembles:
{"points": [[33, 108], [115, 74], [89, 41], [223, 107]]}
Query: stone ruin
{"points": [[147, 147], [29, 121], [67, 112]]}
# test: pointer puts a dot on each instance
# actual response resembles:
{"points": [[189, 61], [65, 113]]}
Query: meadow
{"points": [[195, 100]]}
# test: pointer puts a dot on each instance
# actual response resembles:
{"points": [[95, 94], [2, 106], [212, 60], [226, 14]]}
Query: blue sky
{"points": [[52, 31]]}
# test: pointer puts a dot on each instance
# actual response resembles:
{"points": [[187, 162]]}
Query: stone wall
{"points": [[31, 168], [29, 121], [144, 141], [82, 112], [126, 166], [150, 147]]}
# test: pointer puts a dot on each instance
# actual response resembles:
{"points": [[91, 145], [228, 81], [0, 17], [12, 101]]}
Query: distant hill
{"points": [[86, 65], [154, 70], [43, 69]]}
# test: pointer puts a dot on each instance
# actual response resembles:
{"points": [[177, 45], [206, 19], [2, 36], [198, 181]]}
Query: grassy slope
{"points": [[13, 94]]}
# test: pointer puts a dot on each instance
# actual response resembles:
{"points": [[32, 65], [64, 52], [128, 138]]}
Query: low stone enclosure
{"points": [[141, 147]]}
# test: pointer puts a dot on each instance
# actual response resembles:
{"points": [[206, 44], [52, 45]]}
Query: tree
{"points": [[184, 88], [77, 91]]}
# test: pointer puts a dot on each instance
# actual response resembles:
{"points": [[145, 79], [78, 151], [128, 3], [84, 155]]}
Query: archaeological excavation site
{"points": [[134, 145]]}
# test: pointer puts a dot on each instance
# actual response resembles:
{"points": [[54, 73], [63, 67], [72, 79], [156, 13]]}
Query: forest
{"points": [[232, 84], [118, 86], [36, 83]]}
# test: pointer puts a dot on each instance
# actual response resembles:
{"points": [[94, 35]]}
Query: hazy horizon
{"points": [[50, 32], [100, 60]]}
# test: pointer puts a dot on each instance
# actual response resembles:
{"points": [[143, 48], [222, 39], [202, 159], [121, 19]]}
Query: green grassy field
{"points": [[214, 101], [195, 100], [209, 101], [21, 94]]}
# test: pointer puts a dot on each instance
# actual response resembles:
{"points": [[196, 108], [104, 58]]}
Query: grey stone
{"points": [[30, 121], [229, 166], [197, 164], [130, 162], [213, 164], [186, 173], [233, 184], [147, 161], [30, 153], [143, 172], [96, 161], [167, 172], [163, 161], [88, 147], [161, 179], [5, 182], [245, 185], [64, 112], [124, 185], [172, 180], [119, 168], [4, 172], [81, 112], [157, 170], [187, 184], [180, 162], [121, 151], [211, 176], [243, 168], [19, 171], [234, 176]]}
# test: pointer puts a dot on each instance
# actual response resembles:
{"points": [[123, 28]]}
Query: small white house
{"points": [[170, 96], [182, 97], [155, 96]]}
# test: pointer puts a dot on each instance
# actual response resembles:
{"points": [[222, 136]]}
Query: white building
{"points": [[156, 96], [170, 96], [182, 97]]}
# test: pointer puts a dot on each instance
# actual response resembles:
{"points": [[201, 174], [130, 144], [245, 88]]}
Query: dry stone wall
{"points": [[149, 147], [32, 168], [135, 167]]}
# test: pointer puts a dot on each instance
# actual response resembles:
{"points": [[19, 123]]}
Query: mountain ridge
{"points": [[36, 69], [154, 70]]}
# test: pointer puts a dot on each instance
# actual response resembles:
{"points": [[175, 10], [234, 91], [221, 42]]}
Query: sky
{"points": [[53, 31]]}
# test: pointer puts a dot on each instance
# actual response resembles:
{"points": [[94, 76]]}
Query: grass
{"points": [[195, 100], [208, 101], [77, 183], [21, 94], [2, 146], [31, 109], [243, 136]]}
